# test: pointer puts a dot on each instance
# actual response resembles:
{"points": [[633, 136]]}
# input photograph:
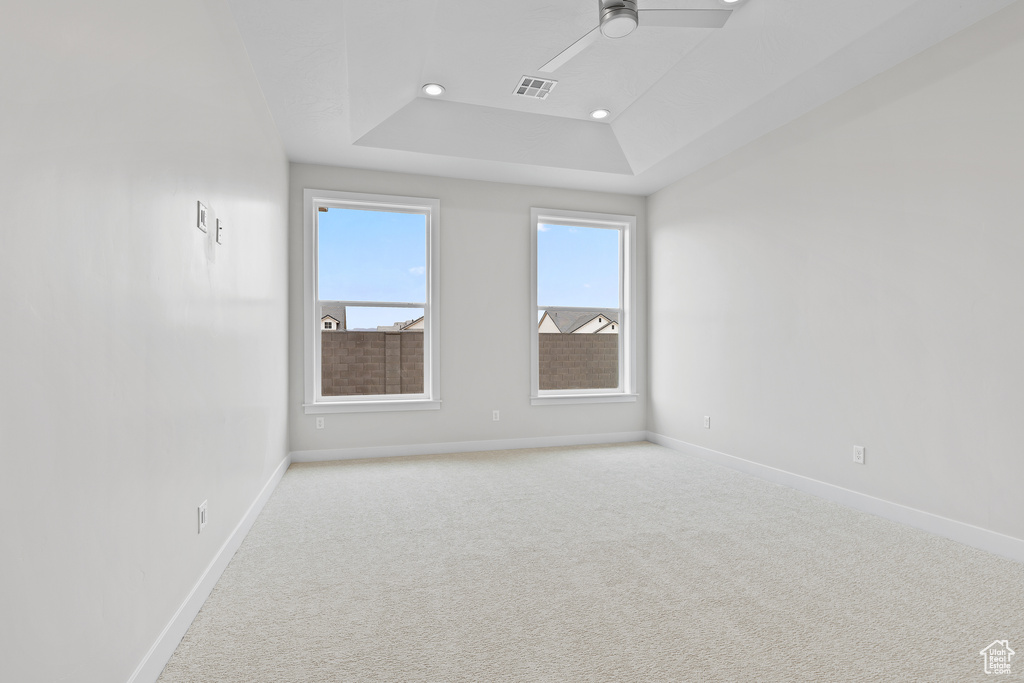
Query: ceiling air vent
{"points": [[537, 88]]}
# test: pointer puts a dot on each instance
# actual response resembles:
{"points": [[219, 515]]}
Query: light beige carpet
{"points": [[610, 563]]}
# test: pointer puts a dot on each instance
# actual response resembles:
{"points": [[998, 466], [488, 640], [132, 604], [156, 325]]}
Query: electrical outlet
{"points": [[319, 423], [495, 415], [202, 516], [858, 455], [707, 422]]}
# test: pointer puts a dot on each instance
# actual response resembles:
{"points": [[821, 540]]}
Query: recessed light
{"points": [[600, 113], [433, 89]]}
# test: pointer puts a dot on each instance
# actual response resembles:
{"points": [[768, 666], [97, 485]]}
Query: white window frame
{"points": [[430, 399], [626, 225]]}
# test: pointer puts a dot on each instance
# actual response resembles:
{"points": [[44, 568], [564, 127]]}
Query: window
{"points": [[370, 310], [582, 327]]}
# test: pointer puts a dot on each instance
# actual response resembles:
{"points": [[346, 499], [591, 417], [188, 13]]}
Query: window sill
{"points": [[371, 406], [566, 399]]}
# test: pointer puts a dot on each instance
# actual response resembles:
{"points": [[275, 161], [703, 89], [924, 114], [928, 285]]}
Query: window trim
{"points": [[430, 399], [626, 391]]}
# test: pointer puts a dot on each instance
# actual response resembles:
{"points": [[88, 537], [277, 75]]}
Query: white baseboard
{"points": [[968, 534], [153, 663], [463, 446]]}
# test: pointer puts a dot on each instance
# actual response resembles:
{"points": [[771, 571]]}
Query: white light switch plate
{"points": [[202, 216]]}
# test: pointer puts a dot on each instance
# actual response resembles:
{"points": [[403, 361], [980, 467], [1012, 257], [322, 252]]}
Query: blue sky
{"points": [[380, 256], [577, 266], [372, 256]]}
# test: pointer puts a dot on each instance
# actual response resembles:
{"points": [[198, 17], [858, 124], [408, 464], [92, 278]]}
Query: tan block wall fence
{"points": [[579, 361], [364, 363]]}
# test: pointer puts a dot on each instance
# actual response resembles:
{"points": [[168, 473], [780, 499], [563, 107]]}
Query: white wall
{"points": [[142, 368], [856, 278], [485, 256]]}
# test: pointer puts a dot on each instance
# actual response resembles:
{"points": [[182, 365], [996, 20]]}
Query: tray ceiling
{"points": [[342, 80]]}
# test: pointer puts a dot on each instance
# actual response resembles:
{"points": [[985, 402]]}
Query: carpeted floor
{"points": [[625, 562]]}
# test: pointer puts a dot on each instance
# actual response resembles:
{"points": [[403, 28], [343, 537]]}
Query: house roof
{"points": [[336, 311], [570, 321]]}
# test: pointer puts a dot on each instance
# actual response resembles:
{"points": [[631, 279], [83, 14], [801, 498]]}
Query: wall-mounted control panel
{"points": [[202, 216]]}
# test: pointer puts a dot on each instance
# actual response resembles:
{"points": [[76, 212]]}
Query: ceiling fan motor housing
{"points": [[618, 17]]}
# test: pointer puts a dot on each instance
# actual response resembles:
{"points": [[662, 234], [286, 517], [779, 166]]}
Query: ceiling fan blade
{"points": [[571, 51], [685, 18]]}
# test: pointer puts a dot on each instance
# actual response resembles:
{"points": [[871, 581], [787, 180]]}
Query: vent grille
{"points": [[537, 88]]}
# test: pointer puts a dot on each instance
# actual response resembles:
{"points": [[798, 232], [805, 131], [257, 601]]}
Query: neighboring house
{"points": [[334, 314], [577, 322], [601, 324], [407, 326], [547, 324]]}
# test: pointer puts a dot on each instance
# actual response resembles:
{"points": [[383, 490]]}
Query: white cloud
{"points": [[418, 270], [543, 228]]}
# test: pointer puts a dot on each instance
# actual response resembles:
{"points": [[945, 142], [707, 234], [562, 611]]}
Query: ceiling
{"points": [[343, 81]]}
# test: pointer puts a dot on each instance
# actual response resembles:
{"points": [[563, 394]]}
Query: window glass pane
{"points": [[577, 266], [372, 255], [373, 351], [366, 318]]}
